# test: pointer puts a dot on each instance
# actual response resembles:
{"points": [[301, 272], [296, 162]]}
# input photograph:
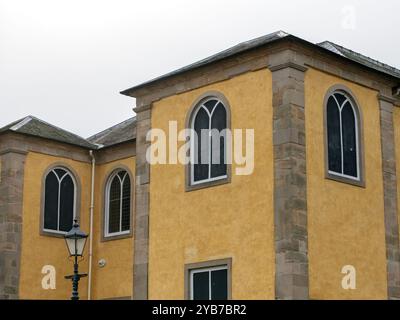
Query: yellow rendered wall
{"points": [[115, 280], [229, 221], [38, 251], [345, 222], [396, 124], [112, 281]]}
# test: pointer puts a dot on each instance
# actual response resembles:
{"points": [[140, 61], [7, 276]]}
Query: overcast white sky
{"points": [[66, 61]]}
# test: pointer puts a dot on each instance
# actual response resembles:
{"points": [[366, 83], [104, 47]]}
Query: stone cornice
{"points": [[387, 99], [303, 55], [288, 64], [13, 150], [142, 108], [22, 144]]}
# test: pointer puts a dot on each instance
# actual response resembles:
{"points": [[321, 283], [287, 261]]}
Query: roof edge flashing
{"points": [[328, 46], [20, 124], [219, 56]]}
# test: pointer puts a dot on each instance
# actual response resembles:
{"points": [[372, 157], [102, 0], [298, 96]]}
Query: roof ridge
{"points": [[62, 135], [43, 129], [237, 48], [109, 129], [373, 60], [12, 123], [59, 128], [331, 46], [348, 54], [21, 123], [279, 33]]}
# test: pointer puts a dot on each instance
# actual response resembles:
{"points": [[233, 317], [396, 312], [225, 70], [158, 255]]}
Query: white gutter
{"points": [[91, 226]]}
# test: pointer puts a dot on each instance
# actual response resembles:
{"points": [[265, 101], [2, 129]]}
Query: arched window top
{"points": [[342, 99], [343, 123], [209, 120], [209, 106], [61, 173], [118, 204], [60, 193]]}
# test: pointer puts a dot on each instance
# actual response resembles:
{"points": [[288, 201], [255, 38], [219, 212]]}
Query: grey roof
{"points": [[119, 133], [359, 58], [241, 47], [258, 42], [33, 126]]}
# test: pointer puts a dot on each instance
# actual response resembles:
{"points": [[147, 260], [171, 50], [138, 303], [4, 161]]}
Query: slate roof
{"points": [[241, 47], [276, 36], [33, 126], [119, 133], [358, 57], [126, 130], [30, 125]]}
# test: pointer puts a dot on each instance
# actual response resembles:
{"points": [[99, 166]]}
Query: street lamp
{"points": [[75, 240]]}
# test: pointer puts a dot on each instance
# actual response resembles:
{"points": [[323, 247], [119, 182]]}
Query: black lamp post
{"points": [[75, 240]]}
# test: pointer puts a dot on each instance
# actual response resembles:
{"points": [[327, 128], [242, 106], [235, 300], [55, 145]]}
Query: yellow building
{"points": [[304, 204]]}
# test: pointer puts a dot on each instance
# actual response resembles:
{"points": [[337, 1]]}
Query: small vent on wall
{"points": [[102, 263]]}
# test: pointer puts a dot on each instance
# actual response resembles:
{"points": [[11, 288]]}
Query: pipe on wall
{"points": [[91, 225]]}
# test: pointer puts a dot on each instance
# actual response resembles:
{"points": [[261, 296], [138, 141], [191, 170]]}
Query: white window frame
{"points": [[193, 142], [107, 204], [67, 172], [209, 270], [356, 119]]}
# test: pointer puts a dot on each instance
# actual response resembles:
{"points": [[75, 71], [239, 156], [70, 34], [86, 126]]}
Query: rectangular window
{"points": [[209, 283]]}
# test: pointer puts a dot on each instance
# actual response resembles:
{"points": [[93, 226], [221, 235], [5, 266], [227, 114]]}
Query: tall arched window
{"points": [[118, 204], [343, 123], [59, 200], [208, 148]]}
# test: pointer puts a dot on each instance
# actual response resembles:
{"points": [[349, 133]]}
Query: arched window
{"points": [[208, 155], [118, 204], [343, 136], [59, 201]]}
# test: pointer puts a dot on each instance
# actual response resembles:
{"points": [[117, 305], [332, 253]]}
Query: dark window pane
{"points": [[349, 141], [210, 105], [60, 172], [334, 145], [201, 167], [66, 203], [51, 202], [218, 122], [126, 204], [219, 285], [340, 98], [114, 206], [122, 174], [201, 286]]}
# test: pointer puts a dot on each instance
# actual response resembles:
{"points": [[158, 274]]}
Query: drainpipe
{"points": [[91, 226]]}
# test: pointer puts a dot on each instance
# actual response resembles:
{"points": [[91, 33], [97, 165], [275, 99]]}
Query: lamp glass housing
{"points": [[75, 240], [75, 246]]}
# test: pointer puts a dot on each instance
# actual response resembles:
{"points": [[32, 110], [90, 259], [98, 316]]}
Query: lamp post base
{"points": [[75, 281]]}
